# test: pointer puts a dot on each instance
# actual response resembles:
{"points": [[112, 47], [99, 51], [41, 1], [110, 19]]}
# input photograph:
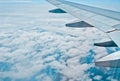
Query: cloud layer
{"points": [[35, 46]]}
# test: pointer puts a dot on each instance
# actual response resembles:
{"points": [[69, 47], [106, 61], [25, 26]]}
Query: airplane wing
{"points": [[106, 20]]}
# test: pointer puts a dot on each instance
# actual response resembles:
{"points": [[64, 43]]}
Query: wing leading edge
{"points": [[106, 20]]}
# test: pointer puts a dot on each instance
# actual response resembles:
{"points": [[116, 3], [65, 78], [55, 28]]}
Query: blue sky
{"points": [[39, 1], [108, 4], [97, 2]]}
